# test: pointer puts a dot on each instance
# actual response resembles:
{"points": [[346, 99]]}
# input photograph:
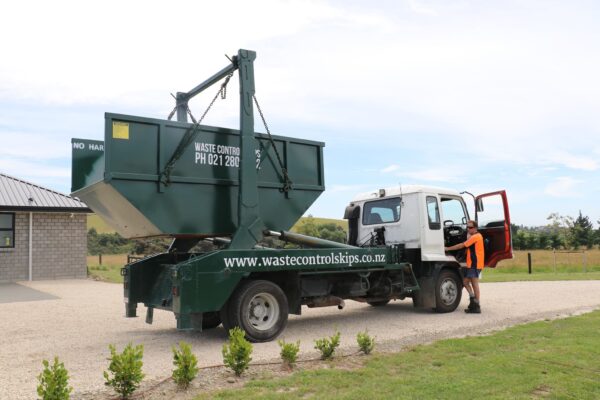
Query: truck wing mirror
{"points": [[479, 205]]}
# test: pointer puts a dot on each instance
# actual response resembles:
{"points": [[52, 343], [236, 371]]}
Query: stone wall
{"points": [[59, 247]]}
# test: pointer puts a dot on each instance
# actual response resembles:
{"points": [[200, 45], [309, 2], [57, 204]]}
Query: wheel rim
{"points": [[263, 311], [448, 291]]}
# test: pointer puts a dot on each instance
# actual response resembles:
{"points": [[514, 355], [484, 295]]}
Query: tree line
{"points": [[561, 232], [113, 243]]}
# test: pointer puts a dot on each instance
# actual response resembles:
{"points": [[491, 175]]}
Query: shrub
{"points": [[54, 381], [126, 369], [365, 342], [236, 354], [186, 365], [289, 352], [327, 346]]}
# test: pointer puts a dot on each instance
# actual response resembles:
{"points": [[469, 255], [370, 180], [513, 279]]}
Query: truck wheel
{"points": [[260, 308], [210, 320], [380, 303], [448, 291]]}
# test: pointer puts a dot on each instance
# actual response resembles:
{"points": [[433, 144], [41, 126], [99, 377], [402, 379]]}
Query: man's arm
{"points": [[455, 247]]}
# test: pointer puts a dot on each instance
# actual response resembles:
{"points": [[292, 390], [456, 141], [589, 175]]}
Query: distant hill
{"points": [[95, 221]]}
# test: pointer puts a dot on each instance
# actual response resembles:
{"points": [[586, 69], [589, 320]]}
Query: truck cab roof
{"points": [[404, 189]]}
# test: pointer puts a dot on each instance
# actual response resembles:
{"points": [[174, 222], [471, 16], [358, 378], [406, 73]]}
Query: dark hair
{"points": [[474, 223]]}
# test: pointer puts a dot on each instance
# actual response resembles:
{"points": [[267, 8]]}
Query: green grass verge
{"points": [[106, 273], [550, 359], [510, 276]]}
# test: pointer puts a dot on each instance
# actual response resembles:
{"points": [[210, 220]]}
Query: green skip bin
{"points": [[120, 178]]}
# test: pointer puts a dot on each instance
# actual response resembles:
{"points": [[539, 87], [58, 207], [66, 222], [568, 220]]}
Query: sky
{"points": [[467, 94]]}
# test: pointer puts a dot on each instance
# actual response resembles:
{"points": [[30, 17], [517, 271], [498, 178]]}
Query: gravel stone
{"points": [[88, 316]]}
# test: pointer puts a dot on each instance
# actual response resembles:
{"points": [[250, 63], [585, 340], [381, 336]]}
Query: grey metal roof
{"points": [[16, 194]]}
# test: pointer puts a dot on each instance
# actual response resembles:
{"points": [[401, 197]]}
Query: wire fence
{"points": [[548, 261]]}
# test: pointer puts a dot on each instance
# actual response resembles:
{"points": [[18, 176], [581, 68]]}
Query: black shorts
{"points": [[470, 272]]}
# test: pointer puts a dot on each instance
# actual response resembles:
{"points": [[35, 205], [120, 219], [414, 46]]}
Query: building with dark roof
{"points": [[43, 233]]}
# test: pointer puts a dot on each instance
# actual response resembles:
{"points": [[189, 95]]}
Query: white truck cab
{"points": [[425, 219]]}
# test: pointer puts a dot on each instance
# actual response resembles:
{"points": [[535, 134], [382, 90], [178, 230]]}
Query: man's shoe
{"points": [[472, 305], [476, 310]]}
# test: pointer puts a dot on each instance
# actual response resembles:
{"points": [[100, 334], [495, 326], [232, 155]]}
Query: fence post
{"points": [[100, 259], [584, 262], [554, 254], [529, 261]]}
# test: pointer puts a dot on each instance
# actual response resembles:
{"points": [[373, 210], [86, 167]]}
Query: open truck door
{"points": [[493, 218]]}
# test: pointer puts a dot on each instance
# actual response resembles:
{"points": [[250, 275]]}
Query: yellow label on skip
{"points": [[120, 130]]}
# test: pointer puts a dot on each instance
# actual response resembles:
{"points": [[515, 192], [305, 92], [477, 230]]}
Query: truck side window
{"points": [[433, 213], [452, 210], [492, 215], [381, 211]]}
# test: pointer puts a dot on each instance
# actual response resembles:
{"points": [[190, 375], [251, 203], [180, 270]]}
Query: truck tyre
{"points": [[448, 291], [380, 303], [210, 320], [260, 308]]}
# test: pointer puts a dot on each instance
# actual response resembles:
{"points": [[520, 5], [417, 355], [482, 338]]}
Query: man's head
{"points": [[471, 227]]}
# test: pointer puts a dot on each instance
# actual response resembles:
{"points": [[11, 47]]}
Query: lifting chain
{"points": [[190, 135], [287, 184]]}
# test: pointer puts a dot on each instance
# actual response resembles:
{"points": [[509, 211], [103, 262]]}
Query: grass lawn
{"points": [[109, 270], [551, 359]]}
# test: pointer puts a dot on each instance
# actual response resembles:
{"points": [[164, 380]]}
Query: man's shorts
{"points": [[470, 272]]}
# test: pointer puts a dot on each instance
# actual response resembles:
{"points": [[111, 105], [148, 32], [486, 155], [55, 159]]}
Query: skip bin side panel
{"points": [[202, 194], [87, 166]]}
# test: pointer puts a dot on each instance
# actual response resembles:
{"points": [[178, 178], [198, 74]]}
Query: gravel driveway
{"points": [[88, 315]]}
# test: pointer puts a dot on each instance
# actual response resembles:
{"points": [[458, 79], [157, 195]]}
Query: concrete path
{"points": [[15, 293]]}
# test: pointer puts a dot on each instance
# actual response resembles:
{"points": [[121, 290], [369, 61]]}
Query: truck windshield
{"points": [[381, 211]]}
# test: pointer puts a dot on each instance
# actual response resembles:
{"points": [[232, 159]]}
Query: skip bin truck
{"points": [[193, 182]]}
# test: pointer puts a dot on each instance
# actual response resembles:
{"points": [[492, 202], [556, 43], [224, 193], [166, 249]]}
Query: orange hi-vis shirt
{"points": [[475, 252]]}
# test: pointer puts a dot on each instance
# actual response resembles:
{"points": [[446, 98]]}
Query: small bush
{"points": [[327, 346], [186, 365], [236, 354], [54, 381], [365, 342], [289, 352], [126, 369]]}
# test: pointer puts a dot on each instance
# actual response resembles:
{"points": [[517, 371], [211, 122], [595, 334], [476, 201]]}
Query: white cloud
{"points": [[573, 161], [33, 168], [390, 168], [347, 188], [439, 174], [564, 187], [107, 51], [506, 84], [34, 147], [420, 7]]}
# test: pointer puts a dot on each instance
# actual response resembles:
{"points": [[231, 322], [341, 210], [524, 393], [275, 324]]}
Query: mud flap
{"points": [[425, 297], [130, 310], [189, 322]]}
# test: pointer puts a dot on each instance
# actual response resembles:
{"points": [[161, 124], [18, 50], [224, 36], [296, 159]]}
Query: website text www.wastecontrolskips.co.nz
{"points": [[285, 261]]}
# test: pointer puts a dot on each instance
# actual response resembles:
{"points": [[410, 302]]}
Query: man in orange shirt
{"points": [[475, 261]]}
